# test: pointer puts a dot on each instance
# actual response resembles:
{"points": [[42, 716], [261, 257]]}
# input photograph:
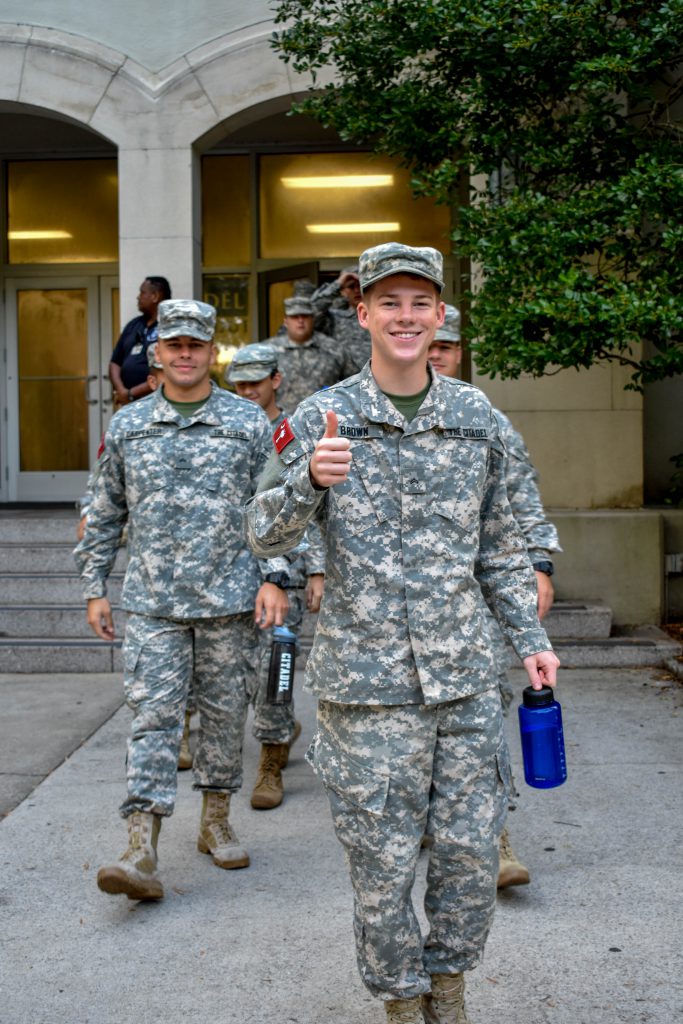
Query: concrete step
{"points": [[19, 526], [642, 647], [578, 619], [45, 557], [50, 621], [38, 654], [57, 588]]}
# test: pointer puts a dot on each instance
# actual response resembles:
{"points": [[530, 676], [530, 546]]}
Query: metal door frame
{"points": [[273, 275], [46, 486]]}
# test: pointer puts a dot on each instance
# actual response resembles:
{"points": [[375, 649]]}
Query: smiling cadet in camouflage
{"points": [[177, 467], [445, 354], [308, 360], [255, 376], [408, 487]]}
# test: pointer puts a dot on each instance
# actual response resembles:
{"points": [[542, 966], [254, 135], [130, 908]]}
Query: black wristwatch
{"points": [[545, 566], [280, 579]]}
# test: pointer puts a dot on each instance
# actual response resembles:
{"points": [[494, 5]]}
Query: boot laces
{"points": [[139, 851], [504, 846], [450, 1001], [137, 836], [403, 1012], [269, 769], [217, 807], [223, 833]]}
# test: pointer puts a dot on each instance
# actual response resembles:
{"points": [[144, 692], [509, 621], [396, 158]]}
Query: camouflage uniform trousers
{"points": [[274, 723], [161, 658], [393, 773], [501, 656]]}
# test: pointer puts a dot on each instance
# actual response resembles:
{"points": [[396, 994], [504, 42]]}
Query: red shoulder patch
{"points": [[100, 450], [282, 436]]}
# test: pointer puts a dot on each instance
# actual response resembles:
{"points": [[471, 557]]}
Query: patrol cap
{"points": [[303, 288], [152, 358], [395, 258], [253, 362], [450, 330], [299, 305], [189, 317]]}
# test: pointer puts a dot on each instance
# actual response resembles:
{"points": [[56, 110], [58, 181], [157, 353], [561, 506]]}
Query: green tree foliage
{"points": [[565, 113]]}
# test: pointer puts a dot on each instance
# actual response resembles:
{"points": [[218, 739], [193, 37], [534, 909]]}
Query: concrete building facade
{"points": [[165, 128]]}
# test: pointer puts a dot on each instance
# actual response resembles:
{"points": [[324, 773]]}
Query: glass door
{"points": [[55, 393], [274, 287]]}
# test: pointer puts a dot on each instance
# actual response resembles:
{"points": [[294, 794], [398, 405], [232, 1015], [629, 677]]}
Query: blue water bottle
{"points": [[540, 726], [281, 668]]}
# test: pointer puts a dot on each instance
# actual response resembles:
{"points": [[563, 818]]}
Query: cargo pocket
{"points": [[505, 789], [356, 786], [131, 656]]}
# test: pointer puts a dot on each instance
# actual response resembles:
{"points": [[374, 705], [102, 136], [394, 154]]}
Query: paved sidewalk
{"points": [[44, 719], [595, 939]]}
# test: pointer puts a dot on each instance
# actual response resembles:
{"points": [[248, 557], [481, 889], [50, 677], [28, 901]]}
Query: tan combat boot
{"points": [[284, 759], [269, 791], [134, 874], [510, 870], [216, 836], [445, 1004], [185, 754], [404, 1011]]}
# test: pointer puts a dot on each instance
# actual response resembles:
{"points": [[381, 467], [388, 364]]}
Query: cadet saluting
{"points": [[178, 466], [408, 486]]}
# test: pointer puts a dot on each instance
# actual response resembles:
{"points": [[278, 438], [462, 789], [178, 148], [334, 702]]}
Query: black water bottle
{"points": [[281, 670], [540, 724]]}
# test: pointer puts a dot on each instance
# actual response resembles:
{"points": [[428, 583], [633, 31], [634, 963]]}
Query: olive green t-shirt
{"points": [[408, 405], [187, 409]]}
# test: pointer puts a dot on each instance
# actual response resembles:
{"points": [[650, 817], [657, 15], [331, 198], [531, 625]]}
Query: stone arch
{"points": [[110, 93], [154, 119], [55, 73], [67, 132]]}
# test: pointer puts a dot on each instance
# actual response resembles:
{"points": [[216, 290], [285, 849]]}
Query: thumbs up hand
{"points": [[331, 459]]}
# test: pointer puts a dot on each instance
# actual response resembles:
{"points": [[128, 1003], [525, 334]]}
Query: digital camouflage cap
{"points": [[450, 329], [395, 258], [253, 362], [189, 317], [299, 305], [152, 358]]}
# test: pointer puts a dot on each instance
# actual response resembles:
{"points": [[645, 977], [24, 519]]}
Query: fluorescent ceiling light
{"points": [[353, 229], [29, 236], [340, 181]]}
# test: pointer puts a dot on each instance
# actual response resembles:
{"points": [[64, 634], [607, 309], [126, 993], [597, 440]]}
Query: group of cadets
{"points": [[398, 491]]}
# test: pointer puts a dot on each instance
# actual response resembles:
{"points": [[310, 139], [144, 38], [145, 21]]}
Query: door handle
{"points": [[107, 391], [86, 388]]}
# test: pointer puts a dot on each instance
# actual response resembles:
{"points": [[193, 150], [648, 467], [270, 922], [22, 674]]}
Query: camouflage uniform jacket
{"points": [[341, 322], [419, 526], [181, 485], [306, 367], [309, 556], [521, 480]]}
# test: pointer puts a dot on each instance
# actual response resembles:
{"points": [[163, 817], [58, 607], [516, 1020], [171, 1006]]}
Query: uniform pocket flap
{"points": [[349, 779], [504, 766], [131, 655]]}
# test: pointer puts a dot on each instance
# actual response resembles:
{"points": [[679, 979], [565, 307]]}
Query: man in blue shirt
{"points": [[129, 368]]}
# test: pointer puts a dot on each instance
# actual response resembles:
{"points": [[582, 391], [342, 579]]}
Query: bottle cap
{"points": [[284, 634], [537, 698]]}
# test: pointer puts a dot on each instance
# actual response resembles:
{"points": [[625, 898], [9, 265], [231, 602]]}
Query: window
{"points": [[326, 205], [62, 211], [226, 210]]}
